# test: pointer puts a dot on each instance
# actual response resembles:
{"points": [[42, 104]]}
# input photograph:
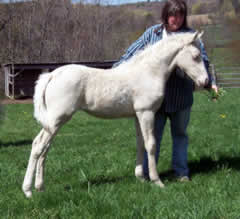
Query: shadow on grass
{"points": [[206, 165], [101, 180], [15, 143]]}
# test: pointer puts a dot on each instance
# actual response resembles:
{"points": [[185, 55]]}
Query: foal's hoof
{"points": [[159, 183], [39, 188], [142, 178], [28, 194]]}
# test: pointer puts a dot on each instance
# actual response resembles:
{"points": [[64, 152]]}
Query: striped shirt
{"points": [[179, 88]]}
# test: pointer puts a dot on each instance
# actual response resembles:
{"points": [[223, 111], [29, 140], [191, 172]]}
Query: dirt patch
{"points": [[17, 101]]}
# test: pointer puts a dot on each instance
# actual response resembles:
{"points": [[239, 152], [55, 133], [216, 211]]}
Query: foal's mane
{"points": [[159, 49]]}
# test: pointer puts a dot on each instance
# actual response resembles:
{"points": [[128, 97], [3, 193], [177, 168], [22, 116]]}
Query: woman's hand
{"points": [[214, 87], [215, 92]]}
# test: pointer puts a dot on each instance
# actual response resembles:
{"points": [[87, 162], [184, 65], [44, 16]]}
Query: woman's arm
{"points": [[139, 44]]}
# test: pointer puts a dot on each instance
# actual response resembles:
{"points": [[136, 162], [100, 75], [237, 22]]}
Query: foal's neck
{"points": [[165, 53], [158, 58]]}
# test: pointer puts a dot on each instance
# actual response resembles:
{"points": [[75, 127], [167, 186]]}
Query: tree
{"points": [[59, 31], [236, 6]]}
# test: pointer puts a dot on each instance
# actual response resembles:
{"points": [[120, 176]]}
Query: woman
{"points": [[179, 89]]}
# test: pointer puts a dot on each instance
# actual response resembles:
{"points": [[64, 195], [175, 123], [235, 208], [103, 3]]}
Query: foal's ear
{"points": [[200, 35], [197, 35], [191, 38]]}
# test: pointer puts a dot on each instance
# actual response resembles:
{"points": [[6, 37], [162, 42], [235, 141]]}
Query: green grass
{"points": [[90, 167]]}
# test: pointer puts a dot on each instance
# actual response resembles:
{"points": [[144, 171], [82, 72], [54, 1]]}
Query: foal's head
{"points": [[189, 59]]}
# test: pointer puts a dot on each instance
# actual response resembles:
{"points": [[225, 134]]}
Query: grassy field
{"points": [[90, 167]]}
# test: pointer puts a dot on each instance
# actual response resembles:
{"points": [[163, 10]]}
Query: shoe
{"points": [[183, 179]]}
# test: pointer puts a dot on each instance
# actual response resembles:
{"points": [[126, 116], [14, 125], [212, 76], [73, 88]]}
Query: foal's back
{"points": [[103, 93]]}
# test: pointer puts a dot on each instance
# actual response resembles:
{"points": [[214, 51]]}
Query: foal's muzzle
{"points": [[203, 82]]}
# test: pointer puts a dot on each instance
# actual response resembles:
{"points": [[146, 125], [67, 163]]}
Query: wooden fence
{"points": [[228, 77]]}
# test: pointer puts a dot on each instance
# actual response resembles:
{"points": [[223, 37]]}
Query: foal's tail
{"points": [[40, 107]]}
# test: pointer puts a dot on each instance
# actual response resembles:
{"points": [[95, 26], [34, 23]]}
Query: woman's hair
{"points": [[172, 7]]}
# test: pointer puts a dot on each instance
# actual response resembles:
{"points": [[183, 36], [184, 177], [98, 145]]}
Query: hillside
{"points": [[43, 31], [154, 9]]}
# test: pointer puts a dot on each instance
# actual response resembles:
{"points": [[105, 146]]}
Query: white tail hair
{"points": [[40, 107]]}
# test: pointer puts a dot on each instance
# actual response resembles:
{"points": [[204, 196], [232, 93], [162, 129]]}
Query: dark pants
{"points": [[179, 122]]}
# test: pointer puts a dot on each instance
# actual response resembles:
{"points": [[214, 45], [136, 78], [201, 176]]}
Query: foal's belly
{"points": [[111, 115], [111, 111], [110, 106]]}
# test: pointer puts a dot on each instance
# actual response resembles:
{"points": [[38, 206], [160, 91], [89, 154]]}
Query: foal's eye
{"points": [[197, 56]]}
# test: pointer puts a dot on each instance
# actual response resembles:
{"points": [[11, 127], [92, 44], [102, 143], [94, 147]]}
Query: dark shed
{"points": [[19, 79]]}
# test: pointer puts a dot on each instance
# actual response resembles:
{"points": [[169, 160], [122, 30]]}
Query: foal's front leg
{"points": [[146, 121], [140, 151]]}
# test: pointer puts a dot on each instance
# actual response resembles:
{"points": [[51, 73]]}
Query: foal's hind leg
{"points": [[39, 146], [146, 121], [39, 179]]}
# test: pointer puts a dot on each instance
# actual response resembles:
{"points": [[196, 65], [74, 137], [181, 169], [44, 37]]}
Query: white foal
{"points": [[133, 89]]}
